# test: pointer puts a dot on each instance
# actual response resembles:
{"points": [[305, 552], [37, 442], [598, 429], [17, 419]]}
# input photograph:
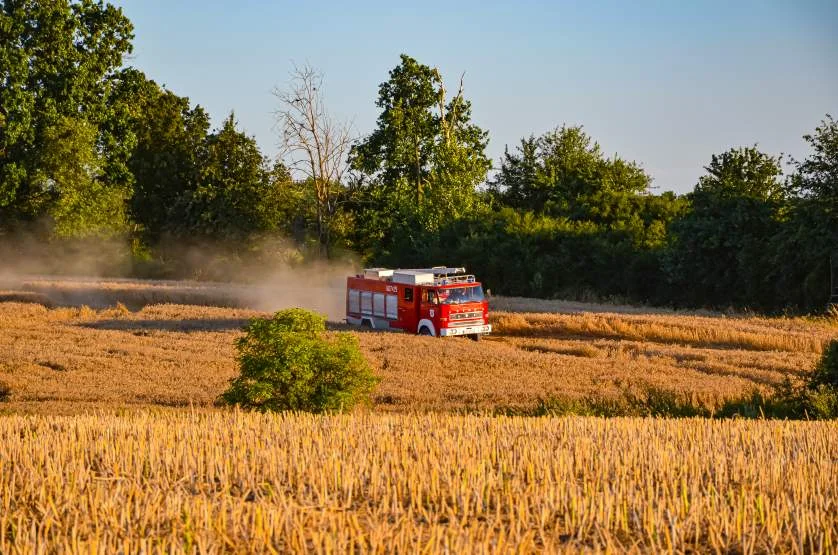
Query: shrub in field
{"points": [[821, 402], [826, 372], [785, 404], [821, 396], [651, 401], [288, 362], [816, 399]]}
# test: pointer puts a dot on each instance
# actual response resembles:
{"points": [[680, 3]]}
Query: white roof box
{"points": [[413, 277], [377, 273]]}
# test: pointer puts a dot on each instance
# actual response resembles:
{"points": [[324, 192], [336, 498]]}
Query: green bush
{"points": [[288, 362], [826, 372], [821, 396], [785, 402], [821, 402], [816, 399], [649, 401]]}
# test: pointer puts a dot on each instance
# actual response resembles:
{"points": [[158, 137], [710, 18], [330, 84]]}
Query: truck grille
{"points": [[465, 323], [463, 319], [466, 315]]}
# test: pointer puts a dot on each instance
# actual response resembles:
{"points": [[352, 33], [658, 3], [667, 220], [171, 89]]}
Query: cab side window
{"points": [[430, 296], [408, 294]]}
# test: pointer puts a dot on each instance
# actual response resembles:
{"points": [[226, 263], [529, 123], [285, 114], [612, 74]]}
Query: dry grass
{"points": [[320, 289], [154, 479], [132, 293], [764, 334], [163, 355], [178, 481], [528, 304], [68, 358]]}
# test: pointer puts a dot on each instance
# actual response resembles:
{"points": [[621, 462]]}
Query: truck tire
{"points": [[475, 336], [424, 331]]}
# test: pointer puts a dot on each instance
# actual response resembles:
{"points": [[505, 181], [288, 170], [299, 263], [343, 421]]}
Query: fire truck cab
{"points": [[435, 301]]}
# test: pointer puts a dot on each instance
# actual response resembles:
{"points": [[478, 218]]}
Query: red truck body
{"points": [[434, 301]]}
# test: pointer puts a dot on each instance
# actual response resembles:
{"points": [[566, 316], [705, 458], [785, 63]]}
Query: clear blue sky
{"points": [[665, 83]]}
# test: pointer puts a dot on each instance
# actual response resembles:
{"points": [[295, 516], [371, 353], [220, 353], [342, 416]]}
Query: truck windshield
{"points": [[459, 295]]}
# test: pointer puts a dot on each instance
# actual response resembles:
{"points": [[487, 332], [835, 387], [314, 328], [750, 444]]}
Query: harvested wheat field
{"points": [[111, 442], [377, 483], [69, 358]]}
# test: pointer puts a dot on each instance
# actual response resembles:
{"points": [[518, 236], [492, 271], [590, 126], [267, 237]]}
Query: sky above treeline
{"points": [[664, 83]]}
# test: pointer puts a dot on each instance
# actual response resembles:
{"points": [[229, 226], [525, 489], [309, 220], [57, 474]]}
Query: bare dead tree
{"points": [[313, 144], [448, 120]]}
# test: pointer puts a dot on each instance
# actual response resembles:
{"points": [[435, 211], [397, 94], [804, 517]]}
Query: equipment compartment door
{"points": [[408, 319]]}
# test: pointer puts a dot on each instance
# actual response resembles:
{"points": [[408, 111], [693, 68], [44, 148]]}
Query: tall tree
{"points": [[817, 175], [564, 173], [171, 136], [742, 173], [720, 253], [70, 176], [801, 251], [315, 145], [56, 58], [420, 167], [236, 196]]}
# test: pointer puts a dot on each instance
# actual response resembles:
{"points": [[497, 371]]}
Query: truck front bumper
{"points": [[467, 330]]}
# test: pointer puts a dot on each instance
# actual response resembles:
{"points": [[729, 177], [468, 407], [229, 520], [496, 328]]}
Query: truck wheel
{"points": [[475, 336], [424, 331], [366, 323]]}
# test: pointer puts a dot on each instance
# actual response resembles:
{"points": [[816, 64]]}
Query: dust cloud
{"points": [[266, 275]]}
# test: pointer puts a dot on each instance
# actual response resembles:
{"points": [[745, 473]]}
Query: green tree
{"points": [[118, 124], [800, 251], [69, 174], [56, 60], [294, 203], [742, 173], [720, 253], [564, 173], [421, 165], [596, 229], [171, 136], [817, 175], [235, 196]]}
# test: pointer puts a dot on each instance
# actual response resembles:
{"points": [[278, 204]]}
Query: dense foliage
{"points": [[565, 221], [91, 149], [58, 70], [420, 168], [287, 363], [821, 394]]}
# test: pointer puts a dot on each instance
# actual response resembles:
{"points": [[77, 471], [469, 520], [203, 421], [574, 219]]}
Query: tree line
{"points": [[91, 149]]}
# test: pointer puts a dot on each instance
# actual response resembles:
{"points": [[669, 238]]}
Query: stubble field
{"points": [[171, 481], [68, 358], [111, 443]]}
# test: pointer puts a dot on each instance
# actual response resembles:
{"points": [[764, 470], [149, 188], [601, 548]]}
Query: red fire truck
{"points": [[435, 301]]}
